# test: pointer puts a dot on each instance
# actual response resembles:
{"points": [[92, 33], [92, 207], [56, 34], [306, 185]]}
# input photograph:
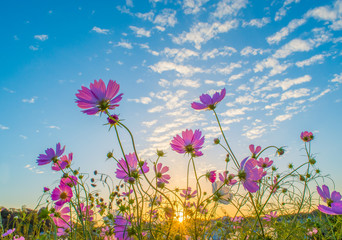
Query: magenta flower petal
{"points": [[98, 98], [209, 103], [50, 155], [190, 142]]}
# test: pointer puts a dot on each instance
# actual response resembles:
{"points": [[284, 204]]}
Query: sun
{"points": [[179, 216]]}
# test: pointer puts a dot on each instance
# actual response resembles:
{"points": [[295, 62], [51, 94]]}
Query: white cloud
{"points": [[31, 100], [217, 83], [149, 123], [140, 32], [34, 48], [236, 112], [181, 69], [54, 127], [317, 58], [337, 78], [238, 76], [166, 18], [143, 100], [295, 45], [8, 90], [246, 100], [329, 13], [146, 16], [228, 69], [156, 109], [125, 44], [282, 118], [302, 92], [229, 7], [2, 127], [42, 37], [23, 137], [100, 30], [129, 3], [285, 31], [259, 23], [252, 51], [276, 67], [140, 80], [225, 51], [179, 55], [314, 98], [186, 83], [164, 83], [203, 32], [283, 10], [193, 6], [255, 132], [287, 83]]}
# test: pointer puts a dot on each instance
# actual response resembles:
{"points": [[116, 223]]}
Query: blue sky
{"points": [[280, 62]]}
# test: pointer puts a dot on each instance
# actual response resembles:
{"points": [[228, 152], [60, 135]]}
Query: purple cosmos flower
{"points": [[268, 217], [209, 103], [187, 194], [9, 231], [64, 162], [111, 121], [61, 216], [264, 163], [46, 189], [306, 136], [126, 194], [254, 151], [160, 173], [130, 171], [211, 176], [227, 179], [63, 194], [16, 237], [189, 143], [237, 219], [249, 174], [51, 155], [98, 98], [333, 201], [221, 193], [122, 229]]}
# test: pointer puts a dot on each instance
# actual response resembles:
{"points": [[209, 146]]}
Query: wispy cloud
{"points": [[179, 55], [54, 127], [193, 6], [317, 58], [149, 123], [100, 30], [225, 51], [42, 37], [143, 100], [229, 8], [187, 70], [140, 32], [229, 69], [125, 44], [298, 93], [23, 136], [337, 78], [285, 31], [166, 19], [2, 127], [8, 90], [203, 32], [31, 100], [252, 51], [283, 10], [259, 23], [34, 48], [295, 45]]}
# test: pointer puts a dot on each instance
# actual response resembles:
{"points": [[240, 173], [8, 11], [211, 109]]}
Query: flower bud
{"points": [[216, 141], [109, 155], [312, 161], [301, 178], [160, 153]]}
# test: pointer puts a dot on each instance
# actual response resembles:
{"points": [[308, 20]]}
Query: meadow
{"points": [[269, 202]]}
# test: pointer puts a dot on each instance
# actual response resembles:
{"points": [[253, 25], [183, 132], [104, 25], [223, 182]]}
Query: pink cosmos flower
{"points": [[190, 142], [126, 194], [86, 212], [9, 231], [122, 228], [312, 232], [98, 98], [249, 174], [264, 163], [211, 176], [269, 217], [16, 237], [46, 189], [62, 163], [187, 194], [160, 173], [70, 181], [227, 179], [61, 216], [236, 219], [333, 201], [254, 151], [131, 171], [275, 185], [209, 103], [61, 231], [51, 155], [306, 136], [63, 194]]}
